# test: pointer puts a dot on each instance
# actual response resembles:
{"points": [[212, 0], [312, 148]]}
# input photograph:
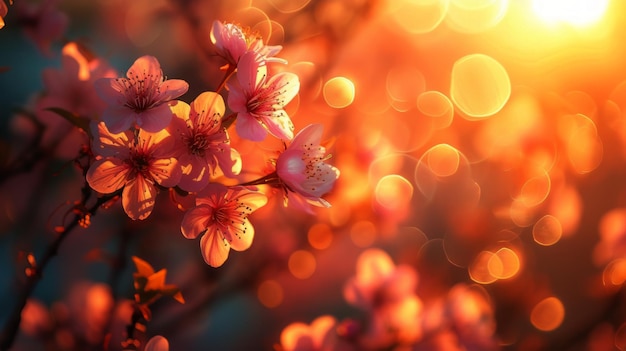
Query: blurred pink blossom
{"points": [[141, 98], [317, 336], [42, 22], [259, 100], [388, 293], [302, 170], [202, 143], [135, 164], [157, 343], [221, 218], [71, 88]]}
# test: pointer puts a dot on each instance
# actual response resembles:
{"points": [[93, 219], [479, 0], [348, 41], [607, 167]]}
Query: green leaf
{"points": [[78, 121]]}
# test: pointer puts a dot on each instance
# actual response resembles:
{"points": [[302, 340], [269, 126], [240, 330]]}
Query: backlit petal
{"points": [[107, 175], [280, 125], [214, 248], [138, 198], [287, 83], [311, 134], [210, 108], [196, 221], [166, 172], [242, 237]]}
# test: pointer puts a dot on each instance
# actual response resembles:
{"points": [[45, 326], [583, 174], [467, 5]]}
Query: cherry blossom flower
{"points": [[141, 98], [134, 163], [157, 343], [317, 336], [387, 291], [302, 171], [231, 42], [42, 22], [259, 101], [202, 143], [71, 88], [221, 218]]}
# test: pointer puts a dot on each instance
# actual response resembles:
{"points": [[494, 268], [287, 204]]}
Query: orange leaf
{"points": [[143, 268], [156, 281]]}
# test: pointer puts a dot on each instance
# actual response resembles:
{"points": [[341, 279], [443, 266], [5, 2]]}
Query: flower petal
{"points": [[106, 143], [138, 198], [166, 172], [243, 235], [249, 128], [154, 119], [214, 248], [107, 175], [250, 73], [311, 134], [279, 125], [118, 118], [195, 173], [195, 221], [145, 66], [209, 108], [172, 88], [287, 83]]}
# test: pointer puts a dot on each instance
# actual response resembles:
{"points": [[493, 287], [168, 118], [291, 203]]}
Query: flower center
{"points": [[198, 143], [140, 164]]}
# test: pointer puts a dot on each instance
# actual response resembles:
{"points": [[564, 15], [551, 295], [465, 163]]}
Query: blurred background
{"points": [[480, 142]]}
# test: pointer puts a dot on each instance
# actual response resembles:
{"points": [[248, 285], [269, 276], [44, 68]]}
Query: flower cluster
{"points": [[147, 140], [396, 316]]}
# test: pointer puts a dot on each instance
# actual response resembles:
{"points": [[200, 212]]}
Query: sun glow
{"points": [[575, 12]]}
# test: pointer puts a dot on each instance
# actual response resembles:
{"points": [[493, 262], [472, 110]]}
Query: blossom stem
{"points": [[9, 332], [270, 179], [229, 72]]}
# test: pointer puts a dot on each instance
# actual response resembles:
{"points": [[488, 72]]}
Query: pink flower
{"points": [[259, 101], [71, 88], [301, 168], [141, 98], [157, 343], [301, 337], [135, 164], [388, 293], [43, 23], [221, 217], [231, 42], [202, 143]]}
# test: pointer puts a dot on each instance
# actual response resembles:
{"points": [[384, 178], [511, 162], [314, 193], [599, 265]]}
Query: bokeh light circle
{"points": [[436, 105], [339, 92], [548, 314], [547, 231], [480, 86]]}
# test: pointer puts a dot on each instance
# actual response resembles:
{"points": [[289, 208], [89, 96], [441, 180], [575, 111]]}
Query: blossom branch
{"points": [[10, 330]]}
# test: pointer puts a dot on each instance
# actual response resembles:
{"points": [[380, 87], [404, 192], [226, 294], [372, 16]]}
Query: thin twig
{"points": [[9, 332]]}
